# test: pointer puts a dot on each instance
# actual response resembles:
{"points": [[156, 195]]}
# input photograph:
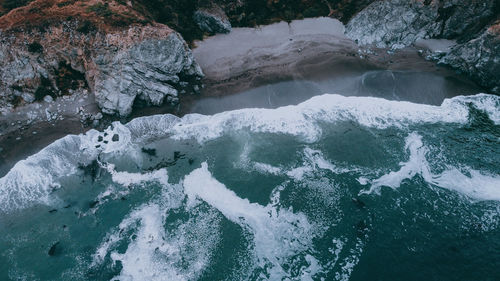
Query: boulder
{"points": [[212, 20], [148, 71]]}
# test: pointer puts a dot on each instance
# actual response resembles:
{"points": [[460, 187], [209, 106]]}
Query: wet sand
{"points": [[278, 65]]}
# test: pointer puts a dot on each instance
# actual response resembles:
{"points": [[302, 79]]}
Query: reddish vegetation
{"points": [[104, 15], [495, 28]]}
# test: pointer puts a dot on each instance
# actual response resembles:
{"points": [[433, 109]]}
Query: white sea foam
{"points": [[155, 254], [127, 179], [302, 120], [313, 160], [278, 235], [143, 258], [477, 186], [32, 180]]}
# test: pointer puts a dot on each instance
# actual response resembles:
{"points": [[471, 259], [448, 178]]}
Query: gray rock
{"points": [[393, 24], [212, 20], [479, 58], [28, 97], [48, 99], [147, 71], [398, 23], [139, 62], [98, 116]]}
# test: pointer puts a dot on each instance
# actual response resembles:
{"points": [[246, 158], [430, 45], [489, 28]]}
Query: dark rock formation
{"points": [[399, 23], [53, 249], [212, 20], [479, 58]]}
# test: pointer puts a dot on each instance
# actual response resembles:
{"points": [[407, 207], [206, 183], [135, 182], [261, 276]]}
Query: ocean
{"points": [[334, 188]]}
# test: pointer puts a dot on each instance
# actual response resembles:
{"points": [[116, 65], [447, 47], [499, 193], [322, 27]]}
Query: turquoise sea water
{"points": [[336, 188]]}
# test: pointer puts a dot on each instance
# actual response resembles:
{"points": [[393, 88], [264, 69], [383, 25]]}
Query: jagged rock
{"points": [[479, 58], [394, 23], [212, 20], [118, 66], [463, 20], [398, 23], [148, 70]]}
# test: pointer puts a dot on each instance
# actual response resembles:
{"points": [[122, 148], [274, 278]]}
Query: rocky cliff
{"points": [[472, 24], [65, 51]]}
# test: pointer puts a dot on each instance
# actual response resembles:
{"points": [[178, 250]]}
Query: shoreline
{"points": [[306, 50]]}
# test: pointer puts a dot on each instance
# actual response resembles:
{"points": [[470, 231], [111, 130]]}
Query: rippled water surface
{"points": [[335, 188]]}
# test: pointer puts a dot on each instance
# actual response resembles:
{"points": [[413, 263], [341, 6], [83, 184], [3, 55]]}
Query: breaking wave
{"points": [[261, 194]]}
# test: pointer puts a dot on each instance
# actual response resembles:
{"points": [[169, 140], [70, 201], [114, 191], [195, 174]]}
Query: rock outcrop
{"points": [[397, 24], [149, 69], [479, 58], [394, 23], [212, 20], [118, 64]]}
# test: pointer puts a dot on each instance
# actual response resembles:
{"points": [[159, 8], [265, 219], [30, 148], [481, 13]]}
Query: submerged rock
{"points": [[53, 249], [212, 20]]}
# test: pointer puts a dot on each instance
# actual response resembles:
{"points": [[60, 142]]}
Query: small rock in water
{"points": [[93, 204], [53, 248], [191, 161], [178, 155], [149, 151], [115, 138], [99, 138], [53, 211]]}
